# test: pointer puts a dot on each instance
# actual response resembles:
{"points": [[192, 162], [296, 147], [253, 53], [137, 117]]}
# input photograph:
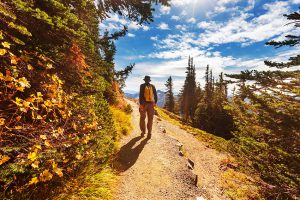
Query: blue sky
{"points": [[229, 35]]}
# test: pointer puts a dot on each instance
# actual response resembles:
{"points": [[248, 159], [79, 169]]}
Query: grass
{"points": [[96, 180], [212, 141], [122, 121], [239, 183], [93, 183], [239, 186]]}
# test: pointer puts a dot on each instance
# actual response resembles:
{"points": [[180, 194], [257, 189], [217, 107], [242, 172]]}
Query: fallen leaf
{"points": [[60, 130], [58, 171], [18, 118], [32, 156], [18, 127], [35, 164], [2, 121], [49, 66], [2, 52], [5, 44], [47, 143], [44, 137], [4, 159], [46, 176], [78, 156], [34, 180], [29, 67]]}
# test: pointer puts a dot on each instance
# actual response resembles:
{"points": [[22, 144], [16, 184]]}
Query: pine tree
{"points": [[268, 121], [210, 113], [188, 99], [169, 97]]}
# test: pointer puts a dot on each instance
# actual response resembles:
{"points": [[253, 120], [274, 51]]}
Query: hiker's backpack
{"points": [[148, 93]]}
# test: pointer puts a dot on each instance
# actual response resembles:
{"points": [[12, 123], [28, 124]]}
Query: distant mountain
{"points": [[132, 95], [160, 96]]}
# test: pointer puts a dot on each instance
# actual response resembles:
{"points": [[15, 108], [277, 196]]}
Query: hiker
{"points": [[148, 100]]}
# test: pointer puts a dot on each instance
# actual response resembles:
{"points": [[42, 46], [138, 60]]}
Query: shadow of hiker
{"points": [[127, 156]]}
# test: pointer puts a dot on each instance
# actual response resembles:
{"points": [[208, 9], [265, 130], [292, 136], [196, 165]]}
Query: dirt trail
{"points": [[152, 169]]}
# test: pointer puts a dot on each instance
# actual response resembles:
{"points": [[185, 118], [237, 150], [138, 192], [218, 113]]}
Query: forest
{"points": [[60, 97]]}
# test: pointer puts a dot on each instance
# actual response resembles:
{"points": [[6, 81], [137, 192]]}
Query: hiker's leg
{"points": [[142, 120], [150, 115]]}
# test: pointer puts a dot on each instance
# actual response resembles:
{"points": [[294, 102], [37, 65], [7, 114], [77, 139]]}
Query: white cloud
{"points": [[145, 28], [165, 10], [160, 71], [242, 29], [115, 23], [176, 18], [191, 20], [131, 35], [163, 26], [295, 1], [181, 27], [154, 38]]}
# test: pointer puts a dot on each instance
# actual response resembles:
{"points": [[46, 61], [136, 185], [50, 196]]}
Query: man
{"points": [[148, 100]]}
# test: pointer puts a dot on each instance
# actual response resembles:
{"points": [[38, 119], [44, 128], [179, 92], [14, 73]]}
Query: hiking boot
{"points": [[143, 134]]}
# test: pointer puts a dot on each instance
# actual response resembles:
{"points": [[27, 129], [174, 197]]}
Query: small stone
{"points": [[196, 180], [190, 166], [179, 144], [164, 131], [191, 162], [181, 153]]}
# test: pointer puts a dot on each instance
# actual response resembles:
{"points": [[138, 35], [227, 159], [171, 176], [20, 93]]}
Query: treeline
{"points": [[263, 116], [202, 107], [56, 76]]}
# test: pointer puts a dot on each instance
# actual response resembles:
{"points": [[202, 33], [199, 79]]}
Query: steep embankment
{"points": [[152, 168]]}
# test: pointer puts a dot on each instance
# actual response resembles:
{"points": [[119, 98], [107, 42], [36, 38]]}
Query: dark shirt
{"points": [[142, 90]]}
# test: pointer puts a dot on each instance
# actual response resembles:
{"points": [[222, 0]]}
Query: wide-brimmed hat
{"points": [[147, 78]]}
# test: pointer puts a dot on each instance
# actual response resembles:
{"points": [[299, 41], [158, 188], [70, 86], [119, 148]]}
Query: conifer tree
{"points": [[269, 120], [188, 99], [169, 96], [210, 113]]}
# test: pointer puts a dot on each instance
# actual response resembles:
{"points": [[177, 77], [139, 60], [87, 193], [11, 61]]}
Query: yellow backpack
{"points": [[148, 94]]}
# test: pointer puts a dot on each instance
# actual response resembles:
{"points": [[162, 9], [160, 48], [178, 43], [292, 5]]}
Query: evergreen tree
{"points": [[210, 113], [268, 121], [188, 99], [169, 97]]}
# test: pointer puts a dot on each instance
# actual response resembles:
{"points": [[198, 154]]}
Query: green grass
{"points": [[212, 141]]}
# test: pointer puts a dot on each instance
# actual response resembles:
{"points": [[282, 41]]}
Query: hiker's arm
{"points": [[141, 97]]}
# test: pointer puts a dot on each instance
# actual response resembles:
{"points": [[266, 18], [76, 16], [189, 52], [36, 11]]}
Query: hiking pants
{"points": [[148, 108]]}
